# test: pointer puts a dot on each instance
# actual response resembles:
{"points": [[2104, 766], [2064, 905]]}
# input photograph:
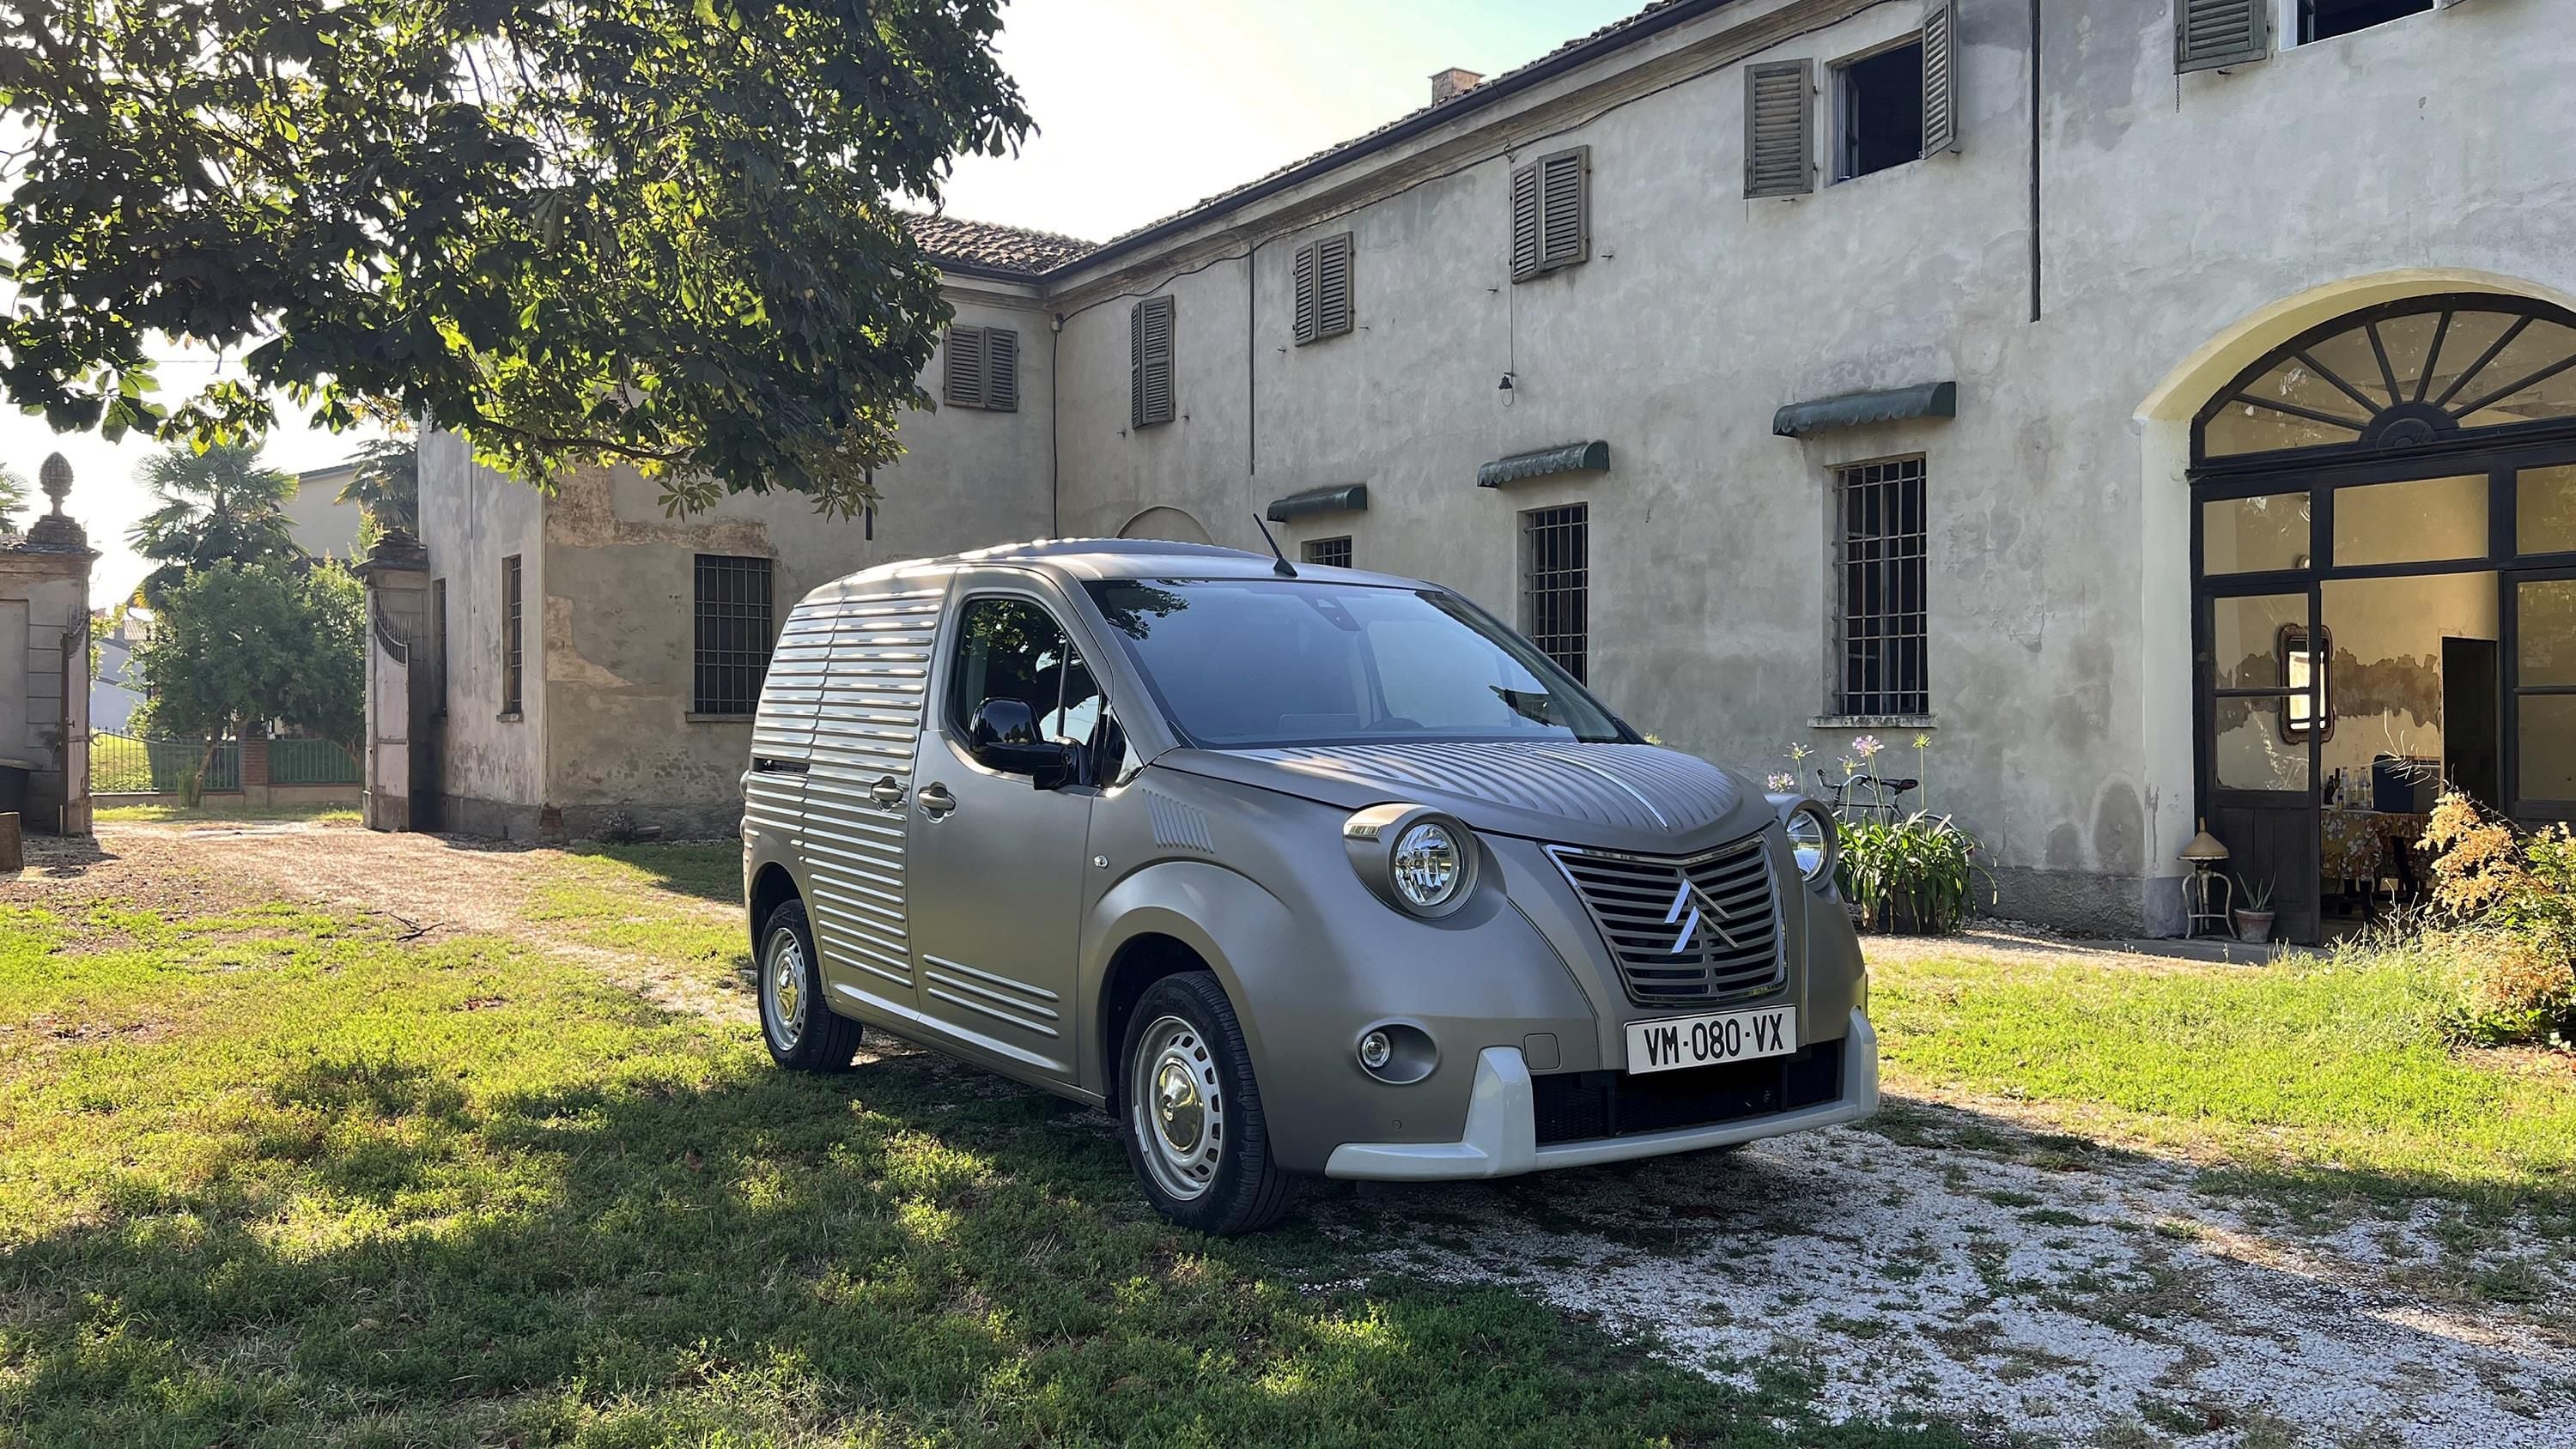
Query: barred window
{"points": [[1555, 588], [734, 634], [1880, 547], [1330, 552], [510, 673]]}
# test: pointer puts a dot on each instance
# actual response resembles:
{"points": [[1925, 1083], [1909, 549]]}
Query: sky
{"points": [[1143, 107]]}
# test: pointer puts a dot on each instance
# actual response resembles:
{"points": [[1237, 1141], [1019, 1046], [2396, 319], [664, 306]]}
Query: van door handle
{"points": [[935, 800], [888, 793]]}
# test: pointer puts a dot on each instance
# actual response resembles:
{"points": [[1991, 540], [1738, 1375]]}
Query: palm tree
{"points": [[215, 505], [387, 484], [14, 497]]}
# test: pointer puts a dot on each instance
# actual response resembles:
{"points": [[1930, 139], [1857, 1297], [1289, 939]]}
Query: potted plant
{"points": [[2254, 918]]}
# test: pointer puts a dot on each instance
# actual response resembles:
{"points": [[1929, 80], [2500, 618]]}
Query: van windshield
{"points": [[1248, 663]]}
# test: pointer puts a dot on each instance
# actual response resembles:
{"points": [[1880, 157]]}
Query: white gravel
{"points": [[2029, 1286]]}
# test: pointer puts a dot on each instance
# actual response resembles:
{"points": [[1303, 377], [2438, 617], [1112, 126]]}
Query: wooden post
{"points": [[13, 851]]}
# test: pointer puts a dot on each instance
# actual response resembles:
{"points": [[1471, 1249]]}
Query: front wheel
{"points": [[802, 1032], [1194, 1127]]}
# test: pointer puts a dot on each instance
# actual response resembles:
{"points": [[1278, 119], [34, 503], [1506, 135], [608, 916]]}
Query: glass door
{"points": [[2263, 673], [2541, 705]]}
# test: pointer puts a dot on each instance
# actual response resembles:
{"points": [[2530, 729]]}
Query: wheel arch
{"points": [[1169, 918], [771, 887]]}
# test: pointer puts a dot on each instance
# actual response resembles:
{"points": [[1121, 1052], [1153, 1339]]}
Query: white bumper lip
{"points": [[1501, 1139]]}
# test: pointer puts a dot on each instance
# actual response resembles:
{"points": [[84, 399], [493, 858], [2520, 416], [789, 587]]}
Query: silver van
{"points": [[1291, 870]]}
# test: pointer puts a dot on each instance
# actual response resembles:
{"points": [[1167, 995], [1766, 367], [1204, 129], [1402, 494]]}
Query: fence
{"points": [[120, 764], [311, 762]]}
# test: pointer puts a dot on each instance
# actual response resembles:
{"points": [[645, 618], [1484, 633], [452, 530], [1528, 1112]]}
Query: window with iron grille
{"points": [[1880, 546], [510, 674], [1555, 587], [734, 634], [1330, 552]]}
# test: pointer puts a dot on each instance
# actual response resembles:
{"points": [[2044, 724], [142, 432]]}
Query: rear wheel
{"points": [[802, 1032], [1195, 1131]]}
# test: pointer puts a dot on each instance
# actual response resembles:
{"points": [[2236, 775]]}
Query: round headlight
{"points": [[1813, 839], [1425, 865]]}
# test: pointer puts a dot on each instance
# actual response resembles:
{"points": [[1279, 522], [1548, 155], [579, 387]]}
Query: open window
{"points": [[1880, 101], [2326, 19]]}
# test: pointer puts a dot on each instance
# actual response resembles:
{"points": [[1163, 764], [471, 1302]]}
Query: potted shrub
{"points": [[2254, 918]]}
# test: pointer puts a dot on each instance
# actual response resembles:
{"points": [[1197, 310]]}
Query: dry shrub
{"points": [[2511, 947]]}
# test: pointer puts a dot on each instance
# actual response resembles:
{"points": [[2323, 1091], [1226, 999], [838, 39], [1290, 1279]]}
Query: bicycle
{"points": [[1859, 796]]}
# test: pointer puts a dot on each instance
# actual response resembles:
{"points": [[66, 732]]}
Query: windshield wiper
{"points": [[1528, 704]]}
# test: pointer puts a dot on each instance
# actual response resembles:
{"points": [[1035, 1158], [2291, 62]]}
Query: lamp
{"points": [[2208, 894]]}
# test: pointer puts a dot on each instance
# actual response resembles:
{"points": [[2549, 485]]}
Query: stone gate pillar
{"points": [[44, 660], [400, 783]]}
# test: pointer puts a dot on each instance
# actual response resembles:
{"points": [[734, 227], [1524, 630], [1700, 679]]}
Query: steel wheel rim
{"points": [[1176, 1112], [782, 988]]}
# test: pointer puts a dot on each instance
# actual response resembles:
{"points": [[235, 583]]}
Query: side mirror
{"points": [[1003, 735]]}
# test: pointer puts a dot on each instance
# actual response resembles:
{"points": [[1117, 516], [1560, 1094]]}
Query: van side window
{"points": [[1013, 649]]}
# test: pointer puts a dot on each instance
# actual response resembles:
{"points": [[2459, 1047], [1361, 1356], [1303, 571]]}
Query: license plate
{"points": [[1700, 1041]]}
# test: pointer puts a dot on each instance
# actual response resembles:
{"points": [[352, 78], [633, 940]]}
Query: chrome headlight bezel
{"points": [[1372, 838], [1817, 871]]}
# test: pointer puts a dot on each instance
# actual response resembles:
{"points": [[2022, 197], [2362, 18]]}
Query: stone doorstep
{"points": [[2217, 950]]}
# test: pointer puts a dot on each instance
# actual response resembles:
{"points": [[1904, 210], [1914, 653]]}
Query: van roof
{"points": [[1122, 558]]}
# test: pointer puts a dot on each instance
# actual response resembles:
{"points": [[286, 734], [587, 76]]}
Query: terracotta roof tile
{"points": [[993, 247]]}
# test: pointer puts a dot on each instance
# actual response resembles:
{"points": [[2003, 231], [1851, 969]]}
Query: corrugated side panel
{"points": [[867, 722], [784, 727]]}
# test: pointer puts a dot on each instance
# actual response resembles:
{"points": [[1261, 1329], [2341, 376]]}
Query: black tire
{"points": [[811, 1037], [1244, 1190]]}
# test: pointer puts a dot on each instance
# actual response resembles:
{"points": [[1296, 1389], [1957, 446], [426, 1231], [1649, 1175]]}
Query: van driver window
{"points": [[1012, 649]]}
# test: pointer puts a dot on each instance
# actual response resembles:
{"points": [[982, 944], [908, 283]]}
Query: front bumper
{"points": [[1501, 1139]]}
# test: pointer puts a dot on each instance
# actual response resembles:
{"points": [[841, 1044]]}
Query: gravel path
{"points": [[2032, 1285]]}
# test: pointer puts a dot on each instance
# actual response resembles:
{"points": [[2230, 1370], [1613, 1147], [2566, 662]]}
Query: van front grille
{"points": [[1684, 930], [1587, 1106]]}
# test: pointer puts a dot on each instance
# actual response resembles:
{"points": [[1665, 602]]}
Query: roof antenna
{"points": [[1283, 568]]}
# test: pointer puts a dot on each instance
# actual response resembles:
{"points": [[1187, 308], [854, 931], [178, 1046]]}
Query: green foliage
{"points": [[15, 496], [387, 485], [235, 645], [2508, 963], [217, 506], [1916, 876], [650, 231]]}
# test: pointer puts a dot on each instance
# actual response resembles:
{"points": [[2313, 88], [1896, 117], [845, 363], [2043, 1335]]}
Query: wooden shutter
{"points": [[964, 385], [1779, 124], [1525, 238], [1940, 77], [1149, 336], [2212, 33], [1333, 285], [1563, 181], [1001, 369], [1306, 293]]}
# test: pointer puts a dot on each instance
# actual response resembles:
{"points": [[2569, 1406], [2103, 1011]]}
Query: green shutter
{"points": [[1306, 293], [1940, 77], [1779, 129], [1149, 336], [964, 372], [1001, 370], [1525, 238], [2212, 33], [1564, 207], [1333, 285]]}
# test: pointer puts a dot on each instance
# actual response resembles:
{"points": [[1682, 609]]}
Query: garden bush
{"points": [[1916, 876], [2505, 900]]}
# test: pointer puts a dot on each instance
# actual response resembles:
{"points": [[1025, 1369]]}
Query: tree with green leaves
{"points": [[221, 505], [660, 232], [14, 497], [387, 485], [237, 645]]}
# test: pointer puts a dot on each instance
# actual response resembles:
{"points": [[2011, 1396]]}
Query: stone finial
{"points": [[56, 529], [396, 548]]}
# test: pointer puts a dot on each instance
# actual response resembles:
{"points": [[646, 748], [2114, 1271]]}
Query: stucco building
{"points": [[2166, 409]]}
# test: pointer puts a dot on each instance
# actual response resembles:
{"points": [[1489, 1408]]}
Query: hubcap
{"points": [[1178, 1116], [783, 988]]}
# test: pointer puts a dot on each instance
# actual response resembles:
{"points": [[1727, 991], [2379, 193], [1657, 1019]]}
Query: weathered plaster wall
{"points": [[610, 581], [490, 767], [44, 624], [2059, 583]]}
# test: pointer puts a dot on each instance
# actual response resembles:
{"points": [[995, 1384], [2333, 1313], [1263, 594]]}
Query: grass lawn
{"points": [[2326, 1076], [216, 814], [278, 1176]]}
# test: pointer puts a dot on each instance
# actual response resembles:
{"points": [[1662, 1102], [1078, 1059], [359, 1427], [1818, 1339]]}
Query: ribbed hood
{"points": [[1616, 797]]}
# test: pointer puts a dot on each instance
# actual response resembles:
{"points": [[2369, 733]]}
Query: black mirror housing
{"points": [[1003, 735]]}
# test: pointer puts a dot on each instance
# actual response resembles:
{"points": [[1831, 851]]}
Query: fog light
{"points": [[1376, 1050]]}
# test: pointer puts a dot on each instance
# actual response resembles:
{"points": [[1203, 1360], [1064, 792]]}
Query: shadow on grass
{"points": [[708, 870], [679, 1248]]}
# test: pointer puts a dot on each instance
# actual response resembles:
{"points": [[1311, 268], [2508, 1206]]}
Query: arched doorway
{"points": [[1164, 523], [2384, 592]]}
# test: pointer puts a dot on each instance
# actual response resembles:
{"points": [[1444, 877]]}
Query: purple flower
{"points": [[1866, 746]]}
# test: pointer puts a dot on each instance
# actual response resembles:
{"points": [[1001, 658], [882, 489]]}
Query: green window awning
{"points": [[1852, 409], [1340, 498], [1592, 457]]}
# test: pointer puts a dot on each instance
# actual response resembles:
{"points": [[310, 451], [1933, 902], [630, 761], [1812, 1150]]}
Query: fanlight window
{"points": [[2402, 376]]}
